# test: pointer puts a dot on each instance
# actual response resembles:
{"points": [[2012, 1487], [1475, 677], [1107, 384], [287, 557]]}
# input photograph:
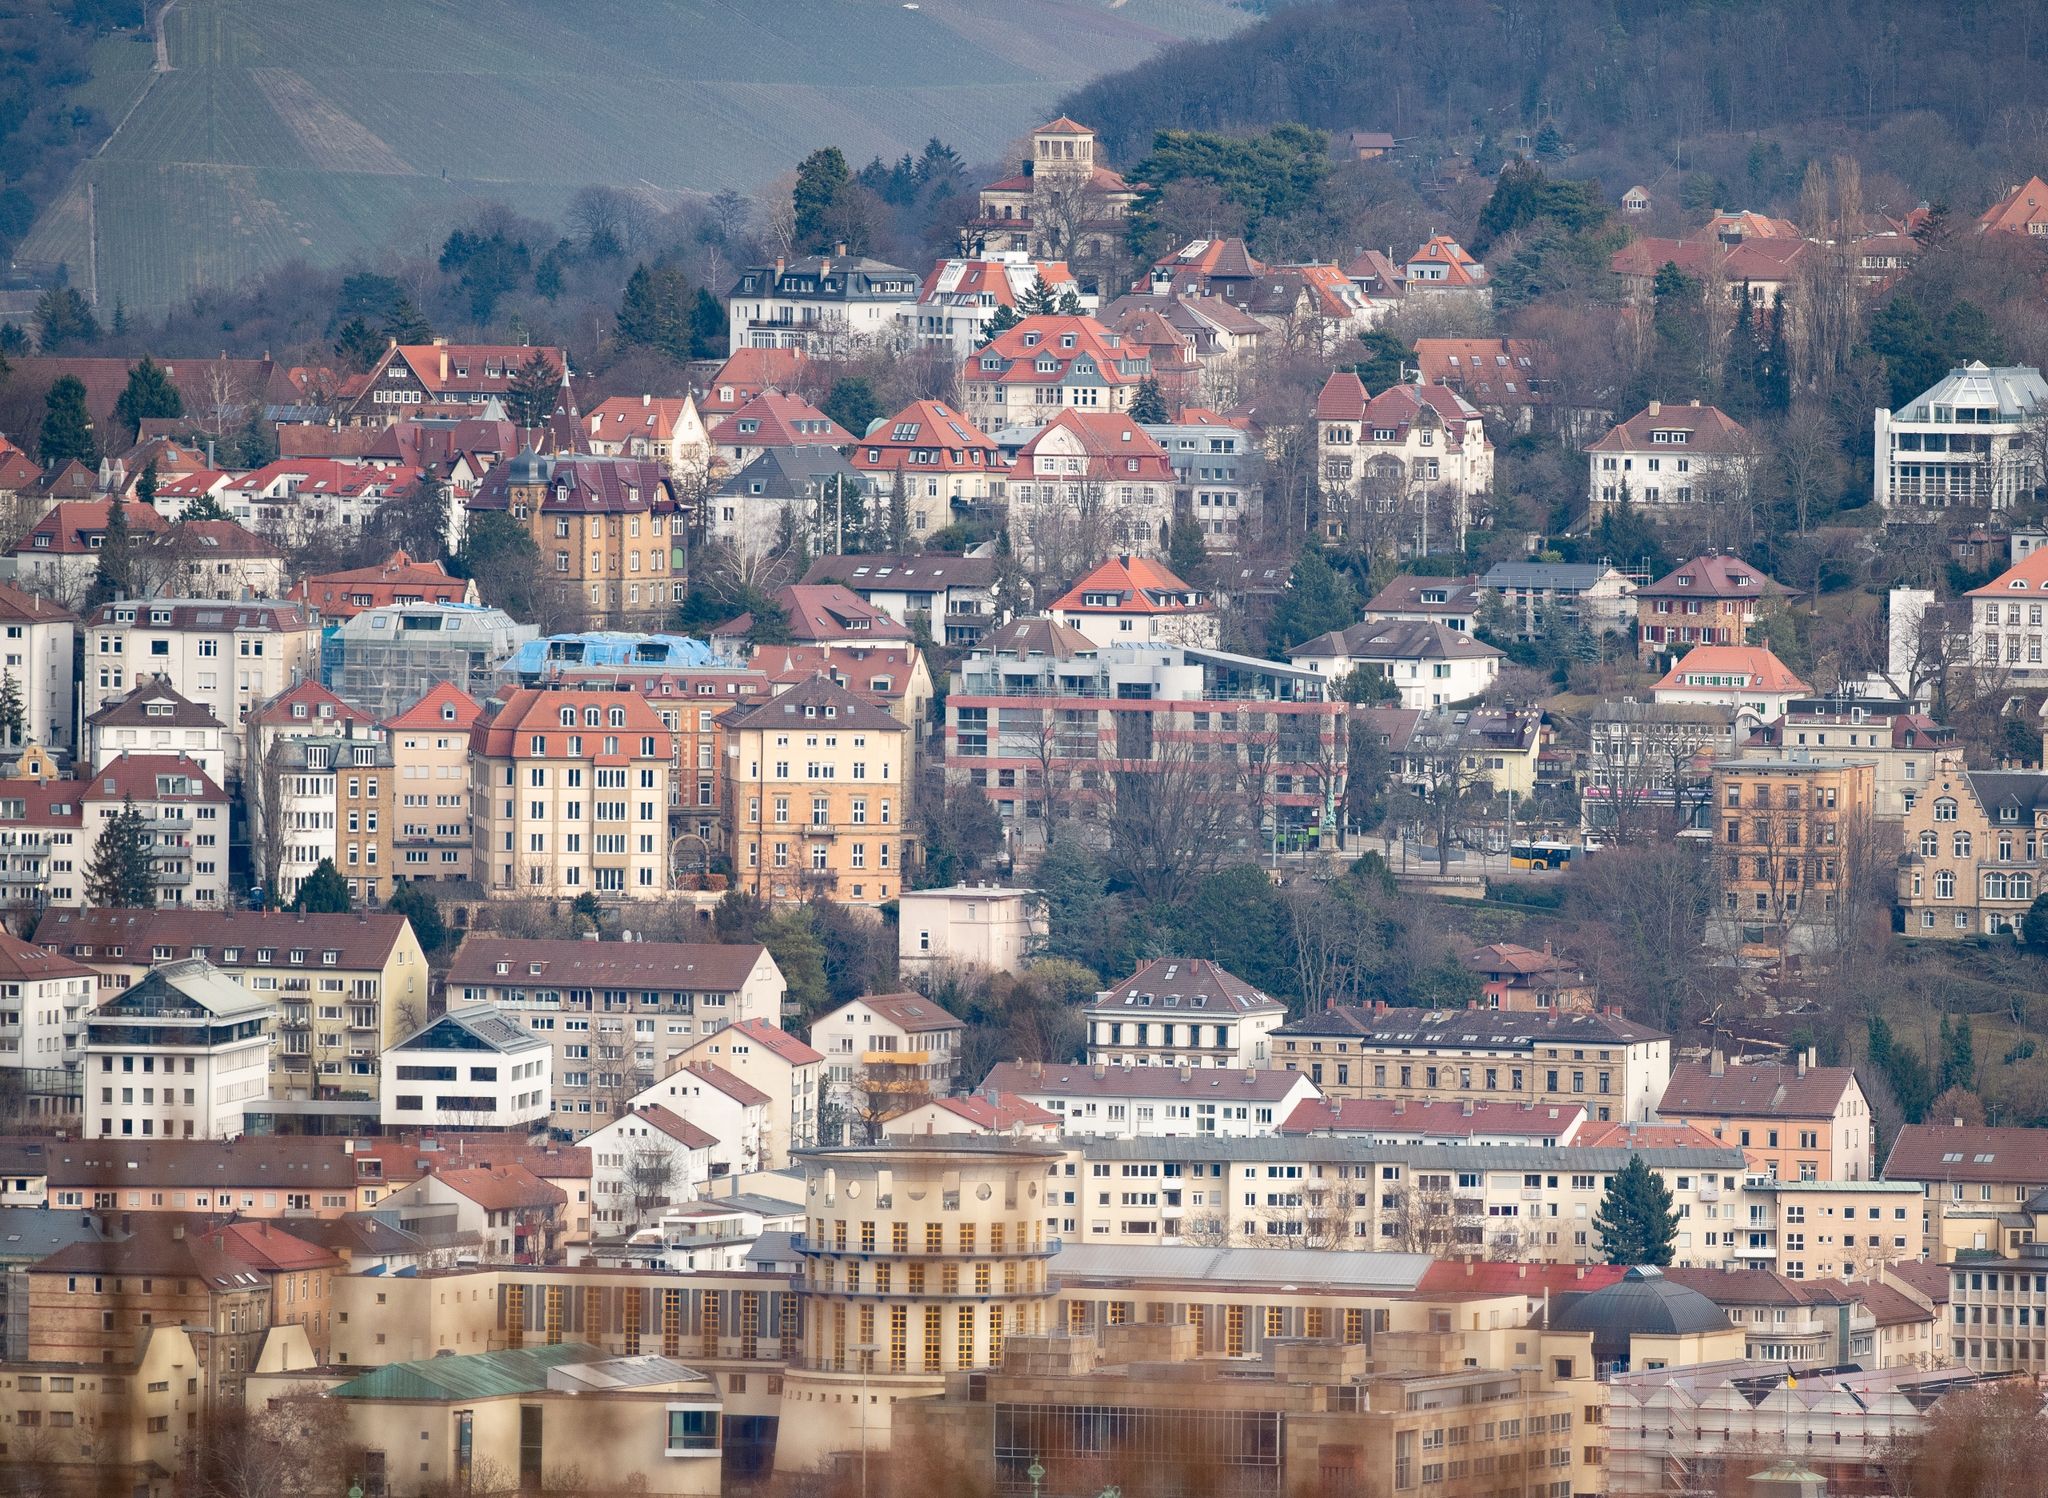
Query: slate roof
{"points": [[556, 963], [363, 940], [1236, 1084], [1184, 985], [1941, 1152], [1479, 1028], [815, 699], [1754, 1089], [1395, 640]]}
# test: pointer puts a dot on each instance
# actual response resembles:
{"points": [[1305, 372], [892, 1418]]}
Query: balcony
{"points": [[10, 1032], [367, 1022], [23, 876], [895, 1058], [180, 875], [1756, 1251], [169, 819]]}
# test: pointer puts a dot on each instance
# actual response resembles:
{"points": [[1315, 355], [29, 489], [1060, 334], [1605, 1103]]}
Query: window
{"points": [[691, 1430]]}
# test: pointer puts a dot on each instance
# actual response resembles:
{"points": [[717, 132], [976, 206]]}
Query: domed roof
{"points": [[1642, 1302], [528, 467]]}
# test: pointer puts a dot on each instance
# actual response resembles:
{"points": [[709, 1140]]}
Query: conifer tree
{"points": [[323, 890], [67, 427], [122, 873], [113, 577], [1636, 1222], [149, 395], [1148, 407], [13, 715]]}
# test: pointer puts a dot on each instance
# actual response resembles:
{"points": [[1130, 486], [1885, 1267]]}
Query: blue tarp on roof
{"points": [[601, 648]]}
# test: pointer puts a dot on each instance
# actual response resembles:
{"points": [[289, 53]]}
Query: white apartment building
{"points": [[44, 999], [734, 1113], [1430, 664], [642, 1163], [823, 304], [1179, 1011], [967, 925], [227, 657], [36, 639], [473, 1068], [618, 1014], [792, 1075], [153, 719], [886, 1053], [1411, 466], [1970, 441], [177, 1055], [1150, 1102], [1533, 1204], [1669, 458]]}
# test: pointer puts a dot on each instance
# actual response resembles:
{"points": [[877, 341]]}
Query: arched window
{"points": [[1945, 810], [1994, 886], [593, 717], [1930, 844], [568, 717], [2019, 886], [1962, 845], [1945, 885], [618, 717]]}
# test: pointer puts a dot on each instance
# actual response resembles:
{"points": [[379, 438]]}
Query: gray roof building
{"points": [[385, 659]]}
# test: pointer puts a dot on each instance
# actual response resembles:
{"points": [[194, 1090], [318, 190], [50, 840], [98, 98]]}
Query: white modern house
{"points": [[179, 1054], [642, 1163], [732, 1111], [473, 1068], [1179, 1011], [1431, 664], [1971, 441], [967, 925], [1145, 1102]]}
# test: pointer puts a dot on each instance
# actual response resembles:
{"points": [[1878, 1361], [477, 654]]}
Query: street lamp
{"points": [[866, 1352], [1037, 1475]]}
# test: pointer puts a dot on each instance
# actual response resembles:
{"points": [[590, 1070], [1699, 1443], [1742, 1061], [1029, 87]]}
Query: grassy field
{"points": [[290, 128]]}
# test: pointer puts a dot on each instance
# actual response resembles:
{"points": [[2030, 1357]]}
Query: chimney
{"points": [[646, 401], [1187, 1073], [1468, 1107], [1799, 1065], [177, 1232], [1717, 1063], [1099, 1070], [1656, 408], [1400, 1106], [444, 360]]}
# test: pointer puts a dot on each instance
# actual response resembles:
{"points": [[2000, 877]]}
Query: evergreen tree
{"points": [[1005, 318], [1385, 354], [1958, 1056], [852, 403], [1318, 599], [656, 310], [1679, 326], [256, 443], [1148, 407], [2034, 925], [1739, 396], [122, 873], [67, 428], [821, 179], [535, 388], [13, 716], [1774, 373], [1186, 554], [1637, 1223], [150, 395], [708, 327], [1038, 300], [113, 577], [206, 507], [324, 890], [65, 318], [146, 486], [119, 326], [358, 345]]}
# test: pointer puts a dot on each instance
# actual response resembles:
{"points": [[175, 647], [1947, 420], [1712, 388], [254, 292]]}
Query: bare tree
{"points": [[1809, 450], [1170, 817], [1444, 793], [775, 208], [263, 790], [650, 1180]]}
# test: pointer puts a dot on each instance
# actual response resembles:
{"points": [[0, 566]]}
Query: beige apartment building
{"points": [[1613, 1068], [429, 834], [818, 796], [227, 657], [346, 986], [569, 794], [1975, 844]]}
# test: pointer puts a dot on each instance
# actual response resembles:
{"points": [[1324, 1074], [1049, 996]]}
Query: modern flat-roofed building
{"points": [[180, 1054], [383, 659], [969, 925], [472, 1068], [1967, 442]]}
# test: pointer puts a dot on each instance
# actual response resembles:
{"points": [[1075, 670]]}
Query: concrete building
{"points": [[1847, 1230], [929, 464], [37, 639], [1591, 595], [1150, 1102], [818, 792], [954, 596], [60, 554], [472, 1068], [1648, 764], [884, 1055], [1085, 482], [643, 1163], [732, 1113], [570, 794], [508, 1213], [619, 1014], [1970, 441], [431, 836], [1609, 1065], [180, 1054], [185, 819], [384, 659], [1217, 476], [153, 719], [962, 295], [967, 925], [345, 985], [1971, 1177], [1794, 1121], [1974, 850], [827, 305], [2005, 626], [44, 1001], [1179, 1011]]}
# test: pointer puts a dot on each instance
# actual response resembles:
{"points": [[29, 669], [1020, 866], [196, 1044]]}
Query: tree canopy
{"points": [[1637, 1222]]}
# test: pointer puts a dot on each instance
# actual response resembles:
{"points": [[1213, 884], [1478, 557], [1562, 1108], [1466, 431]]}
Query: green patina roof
{"points": [[480, 1375]]}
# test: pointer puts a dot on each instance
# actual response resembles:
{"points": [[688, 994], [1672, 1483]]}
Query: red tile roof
{"points": [[432, 710], [1012, 356], [1762, 670], [929, 437], [743, 1092], [502, 1188], [747, 373], [909, 1012], [1753, 1090], [25, 962], [1112, 446], [265, 1246], [18, 606], [779, 420], [1615, 1134], [776, 1039], [2019, 211], [70, 527], [1489, 371], [831, 611], [815, 698], [138, 776], [1140, 585], [1343, 397], [1711, 430], [1461, 271], [678, 1128], [407, 1158], [363, 940], [307, 704], [397, 579], [999, 1115], [1974, 1154], [1715, 575], [509, 726]]}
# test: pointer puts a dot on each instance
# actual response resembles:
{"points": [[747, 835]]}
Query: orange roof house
{"points": [[397, 579], [2023, 210]]}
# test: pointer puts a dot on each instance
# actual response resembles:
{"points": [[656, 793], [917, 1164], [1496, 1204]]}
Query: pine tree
{"points": [[149, 395], [1038, 301], [821, 178], [1774, 373], [1637, 1223], [122, 873], [67, 427], [323, 890], [1148, 407], [146, 486], [1186, 554], [1958, 1056], [656, 310], [1005, 318], [535, 387], [113, 576], [13, 716], [1318, 599], [413, 900]]}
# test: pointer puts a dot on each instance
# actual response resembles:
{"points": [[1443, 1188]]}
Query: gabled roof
{"points": [[25, 962], [1511, 957], [714, 1076], [934, 435], [1183, 986], [910, 572], [1710, 430], [1715, 575], [1342, 398], [622, 417], [786, 473], [1012, 356], [1754, 1090], [1036, 636], [1456, 1120], [461, 368], [471, 1027], [364, 939], [746, 373], [166, 1245], [2022, 207], [1761, 670], [69, 528], [1395, 640], [502, 1188], [143, 777], [1406, 595], [308, 703], [999, 1114], [817, 699], [173, 711], [773, 419], [18, 606], [560, 963], [1138, 585], [1239, 1084], [1490, 371], [776, 1039], [1461, 271], [830, 611], [1493, 1029], [1941, 1151], [269, 1247], [910, 1012], [445, 706], [673, 1124], [1109, 442]]}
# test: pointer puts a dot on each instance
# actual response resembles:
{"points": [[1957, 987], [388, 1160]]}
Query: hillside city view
{"points": [[1023, 749]]}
